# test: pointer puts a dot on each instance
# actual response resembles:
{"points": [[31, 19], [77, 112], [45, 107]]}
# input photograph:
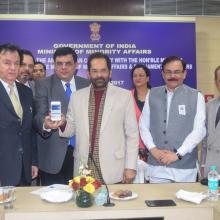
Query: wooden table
{"points": [[31, 207]]}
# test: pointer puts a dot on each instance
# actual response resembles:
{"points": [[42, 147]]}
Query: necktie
{"points": [[15, 102], [217, 116], [68, 94]]}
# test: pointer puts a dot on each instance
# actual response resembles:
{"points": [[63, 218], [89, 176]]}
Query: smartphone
{"points": [[158, 203], [55, 110]]}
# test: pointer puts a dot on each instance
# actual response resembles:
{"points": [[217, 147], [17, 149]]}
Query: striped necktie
{"points": [[68, 95], [15, 102]]}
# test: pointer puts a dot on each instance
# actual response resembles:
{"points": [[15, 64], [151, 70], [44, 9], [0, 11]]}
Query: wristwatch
{"points": [[178, 154]]}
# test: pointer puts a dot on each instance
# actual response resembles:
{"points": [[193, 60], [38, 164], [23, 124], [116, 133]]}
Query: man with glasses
{"points": [[55, 153], [172, 124]]}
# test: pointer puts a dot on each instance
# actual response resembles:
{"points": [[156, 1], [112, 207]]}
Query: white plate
{"points": [[134, 196], [51, 188], [57, 196]]}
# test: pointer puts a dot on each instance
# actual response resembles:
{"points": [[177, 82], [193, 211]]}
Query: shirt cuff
{"points": [[181, 152], [46, 129], [151, 147]]}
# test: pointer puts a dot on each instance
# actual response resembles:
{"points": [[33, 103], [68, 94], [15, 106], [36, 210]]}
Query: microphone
{"points": [[108, 203]]}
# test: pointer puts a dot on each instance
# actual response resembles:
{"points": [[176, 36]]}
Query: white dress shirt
{"points": [[8, 89], [190, 142], [27, 84], [72, 84]]}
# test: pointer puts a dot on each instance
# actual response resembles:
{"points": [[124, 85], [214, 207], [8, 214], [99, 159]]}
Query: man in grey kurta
{"points": [[172, 124]]}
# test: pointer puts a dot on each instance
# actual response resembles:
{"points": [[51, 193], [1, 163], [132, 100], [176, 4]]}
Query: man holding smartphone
{"points": [[105, 128], [56, 153]]}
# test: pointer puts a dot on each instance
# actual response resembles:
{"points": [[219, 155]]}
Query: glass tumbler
{"points": [[8, 196]]}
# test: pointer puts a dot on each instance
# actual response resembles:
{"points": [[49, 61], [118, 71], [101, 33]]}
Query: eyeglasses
{"points": [[61, 64], [176, 72]]}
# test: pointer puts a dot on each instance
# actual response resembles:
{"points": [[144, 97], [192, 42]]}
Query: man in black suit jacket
{"points": [[55, 154], [26, 70], [18, 158]]}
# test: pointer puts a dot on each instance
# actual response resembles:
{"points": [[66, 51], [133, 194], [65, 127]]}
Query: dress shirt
{"points": [[27, 84], [187, 146], [8, 89], [72, 85]]}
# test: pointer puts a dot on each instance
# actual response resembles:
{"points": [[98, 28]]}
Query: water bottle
{"points": [[101, 197], [213, 184]]}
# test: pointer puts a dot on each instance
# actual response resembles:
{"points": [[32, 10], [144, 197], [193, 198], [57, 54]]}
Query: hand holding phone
{"points": [[159, 203], [55, 111]]}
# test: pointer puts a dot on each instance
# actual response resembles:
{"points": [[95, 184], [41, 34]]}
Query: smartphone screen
{"points": [[55, 111], [158, 203]]}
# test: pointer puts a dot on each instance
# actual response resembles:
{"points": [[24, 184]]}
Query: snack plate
{"points": [[134, 196]]}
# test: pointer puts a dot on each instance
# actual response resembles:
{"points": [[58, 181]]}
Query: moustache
{"points": [[172, 79], [100, 78]]}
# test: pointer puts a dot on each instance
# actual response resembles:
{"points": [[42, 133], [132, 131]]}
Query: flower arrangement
{"points": [[84, 181], [84, 185]]}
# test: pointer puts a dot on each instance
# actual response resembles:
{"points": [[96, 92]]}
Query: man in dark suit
{"points": [[26, 70], [18, 158], [56, 153]]}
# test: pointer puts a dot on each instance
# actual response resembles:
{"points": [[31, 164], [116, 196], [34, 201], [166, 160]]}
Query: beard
{"points": [[100, 82], [24, 77]]}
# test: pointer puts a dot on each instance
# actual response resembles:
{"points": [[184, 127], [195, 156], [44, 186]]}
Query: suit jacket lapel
{"points": [[6, 100], [214, 133], [215, 110], [22, 98], [85, 109], [109, 101], [217, 128], [32, 86], [77, 83]]}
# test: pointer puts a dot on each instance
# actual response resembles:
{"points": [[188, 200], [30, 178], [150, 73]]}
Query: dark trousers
{"points": [[23, 181], [65, 174]]}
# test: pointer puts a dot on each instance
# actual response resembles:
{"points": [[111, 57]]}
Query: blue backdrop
{"points": [[126, 43]]}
